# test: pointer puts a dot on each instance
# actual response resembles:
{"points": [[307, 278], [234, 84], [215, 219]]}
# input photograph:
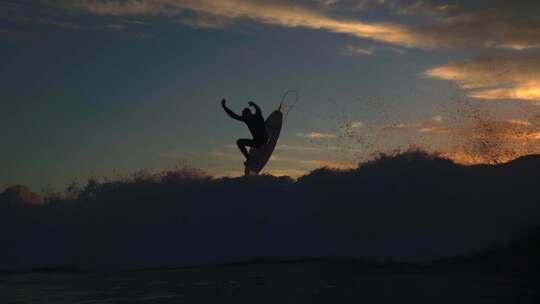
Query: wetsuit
{"points": [[256, 125], [257, 128]]}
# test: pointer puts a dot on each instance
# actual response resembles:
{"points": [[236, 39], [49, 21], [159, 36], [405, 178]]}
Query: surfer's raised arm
{"points": [[257, 109], [228, 111]]}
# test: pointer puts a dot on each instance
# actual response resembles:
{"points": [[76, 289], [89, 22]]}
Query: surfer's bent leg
{"points": [[242, 144]]}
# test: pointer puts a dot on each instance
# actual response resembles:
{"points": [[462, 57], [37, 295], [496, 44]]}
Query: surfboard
{"points": [[260, 156]]}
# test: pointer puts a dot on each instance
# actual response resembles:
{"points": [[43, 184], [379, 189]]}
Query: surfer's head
{"points": [[246, 112]]}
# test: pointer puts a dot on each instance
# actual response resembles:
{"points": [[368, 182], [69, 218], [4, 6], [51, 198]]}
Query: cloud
{"points": [[476, 23], [313, 163], [497, 76], [399, 126], [327, 3], [437, 119], [317, 135], [361, 5], [299, 148], [450, 24], [327, 164], [318, 149], [287, 172], [351, 126], [351, 50], [129, 7], [278, 13], [206, 21], [525, 91], [480, 31], [61, 14], [432, 8], [520, 122], [433, 125], [450, 7], [434, 130], [38, 12], [285, 147]]}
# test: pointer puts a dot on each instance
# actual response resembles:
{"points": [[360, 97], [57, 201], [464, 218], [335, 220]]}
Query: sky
{"points": [[105, 88]]}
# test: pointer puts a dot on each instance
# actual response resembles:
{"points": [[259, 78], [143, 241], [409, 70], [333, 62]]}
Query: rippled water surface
{"points": [[269, 283]]}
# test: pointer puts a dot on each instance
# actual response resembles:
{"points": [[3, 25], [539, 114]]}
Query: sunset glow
{"points": [[98, 88]]}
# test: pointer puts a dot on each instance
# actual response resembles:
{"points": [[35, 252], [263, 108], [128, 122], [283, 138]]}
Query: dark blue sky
{"points": [[107, 87]]}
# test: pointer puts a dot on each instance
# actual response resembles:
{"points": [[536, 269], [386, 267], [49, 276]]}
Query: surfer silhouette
{"points": [[255, 124]]}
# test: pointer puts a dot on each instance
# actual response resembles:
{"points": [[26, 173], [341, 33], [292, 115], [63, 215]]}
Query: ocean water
{"points": [[307, 282]]}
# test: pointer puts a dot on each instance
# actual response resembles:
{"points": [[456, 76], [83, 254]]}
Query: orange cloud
{"points": [[353, 125], [520, 122], [450, 25], [515, 76], [433, 130], [287, 172], [454, 26], [286, 147], [328, 164], [317, 135], [525, 91], [430, 126], [270, 12]]}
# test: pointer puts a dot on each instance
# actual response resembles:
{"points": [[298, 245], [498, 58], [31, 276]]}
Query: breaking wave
{"points": [[409, 206]]}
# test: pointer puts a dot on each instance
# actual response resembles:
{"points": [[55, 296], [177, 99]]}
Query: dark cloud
{"points": [[483, 30], [477, 23], [438, 7], [44, 15], [452, 24], [39, 11], [464, 24]]}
